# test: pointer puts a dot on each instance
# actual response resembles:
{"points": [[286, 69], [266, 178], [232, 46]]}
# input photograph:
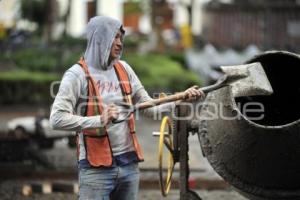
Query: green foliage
{"points": [[34, 10], [44, 60], [69, 50], [4, 56], [26, 87], [177, 56], [131, 42], [38, 67], [70, 59], [160, 73], [21, 75], [132, 8], [36, 59], [69, 41]]}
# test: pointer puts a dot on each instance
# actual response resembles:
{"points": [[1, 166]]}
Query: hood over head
{"points": [[100, 32]]}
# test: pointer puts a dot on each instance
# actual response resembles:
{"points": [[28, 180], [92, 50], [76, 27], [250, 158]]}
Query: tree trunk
{"points": [[67, 16], [157, 20], [51, 17]]}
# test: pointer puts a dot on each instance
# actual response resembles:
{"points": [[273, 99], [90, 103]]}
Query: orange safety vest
{"points": [[96, 141]]}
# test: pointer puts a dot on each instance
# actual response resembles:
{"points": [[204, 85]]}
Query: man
{"points": [[87, 102]]}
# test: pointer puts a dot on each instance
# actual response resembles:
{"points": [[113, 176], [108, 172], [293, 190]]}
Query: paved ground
{"points": [[12, 190]]}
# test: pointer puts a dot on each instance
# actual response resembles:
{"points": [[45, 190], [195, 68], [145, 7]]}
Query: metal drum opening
{"points": [[283, 106]]}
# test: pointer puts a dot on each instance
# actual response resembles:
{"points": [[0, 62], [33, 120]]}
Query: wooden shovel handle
{"points": [[179, 96], [171, 98], [156, 102]]}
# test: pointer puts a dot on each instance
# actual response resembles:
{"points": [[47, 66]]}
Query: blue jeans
{"points": [[109, 183]]}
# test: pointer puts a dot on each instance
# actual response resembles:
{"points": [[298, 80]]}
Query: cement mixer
{"points": [[253, 142]]}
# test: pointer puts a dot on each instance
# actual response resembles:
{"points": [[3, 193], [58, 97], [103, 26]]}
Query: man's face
{"points": [[116, 47]]}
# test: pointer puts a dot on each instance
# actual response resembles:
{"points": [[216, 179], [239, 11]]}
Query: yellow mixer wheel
{"points": [[165, 139]]}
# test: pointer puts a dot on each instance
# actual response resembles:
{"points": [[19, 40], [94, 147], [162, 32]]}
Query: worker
{"points": [[89, 101]]}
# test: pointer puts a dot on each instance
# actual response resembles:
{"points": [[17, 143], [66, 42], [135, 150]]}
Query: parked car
{"points": [[39, 129]]}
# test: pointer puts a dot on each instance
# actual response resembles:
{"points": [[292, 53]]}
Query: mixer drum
{"points": [[254, 142]]}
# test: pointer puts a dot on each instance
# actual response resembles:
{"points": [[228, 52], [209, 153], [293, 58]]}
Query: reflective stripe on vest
{"points": [[96, 141]]}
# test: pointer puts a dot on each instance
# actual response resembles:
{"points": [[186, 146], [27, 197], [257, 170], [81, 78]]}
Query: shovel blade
{"points": [[248, 80]]}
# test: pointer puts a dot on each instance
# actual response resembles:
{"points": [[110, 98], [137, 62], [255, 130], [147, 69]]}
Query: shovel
{"points": [[245, 80]]}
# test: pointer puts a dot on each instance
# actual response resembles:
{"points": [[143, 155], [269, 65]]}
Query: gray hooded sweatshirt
{"points": [[69, 106]]}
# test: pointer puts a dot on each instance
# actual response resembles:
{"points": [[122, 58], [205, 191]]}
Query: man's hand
{"points": [[110, 113], [193, 93]]}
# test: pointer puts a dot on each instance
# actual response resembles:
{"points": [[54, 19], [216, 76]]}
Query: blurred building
{"points": [[136, 15], [268, 24], [81, 11]]}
